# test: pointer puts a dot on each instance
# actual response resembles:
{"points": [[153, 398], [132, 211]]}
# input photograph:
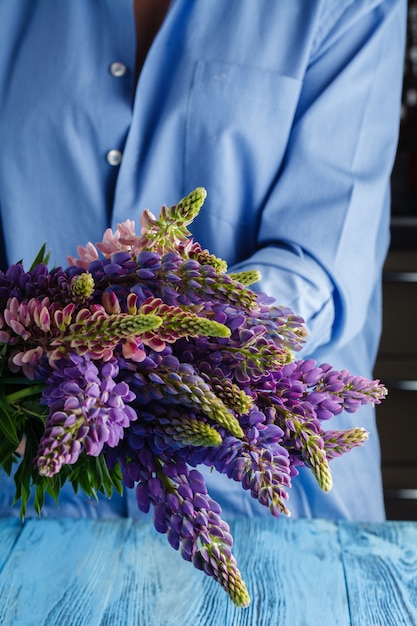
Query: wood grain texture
{"points": [[381, 572], [60, 572], [122, 573], [10, 529], [294, 573]]}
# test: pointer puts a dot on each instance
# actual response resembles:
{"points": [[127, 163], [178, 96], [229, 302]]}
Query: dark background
{"points": [[397, 360]]}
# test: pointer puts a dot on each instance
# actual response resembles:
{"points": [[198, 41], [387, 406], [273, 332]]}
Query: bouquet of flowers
{"points": [[134, 366]]}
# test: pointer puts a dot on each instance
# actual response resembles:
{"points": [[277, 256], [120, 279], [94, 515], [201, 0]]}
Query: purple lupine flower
{"points": [[356, 390], [191, 519], [188, 282], [88, 409], [192, 250], [339, 442], [168, 427], [118, 265], [235, 400], [36, 283], [259, 462], [178, 383]]}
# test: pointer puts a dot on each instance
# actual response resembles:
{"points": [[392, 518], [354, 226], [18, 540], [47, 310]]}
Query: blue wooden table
{"points": [[122, 573]]}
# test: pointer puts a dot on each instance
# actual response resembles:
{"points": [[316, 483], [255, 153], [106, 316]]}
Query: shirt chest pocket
{"points": [[237, 129]]}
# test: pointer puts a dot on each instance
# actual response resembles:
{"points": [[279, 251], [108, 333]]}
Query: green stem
{"points": [[41, 416], [24, 393]]}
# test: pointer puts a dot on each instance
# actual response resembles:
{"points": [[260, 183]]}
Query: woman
{"points": [[287, 113]]}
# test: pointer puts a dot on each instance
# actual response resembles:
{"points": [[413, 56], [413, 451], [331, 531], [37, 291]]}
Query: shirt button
{"points": [[117, 69], [114, 157]]}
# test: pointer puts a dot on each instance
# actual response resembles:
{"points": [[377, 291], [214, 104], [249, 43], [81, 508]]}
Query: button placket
{"points": [[117, 69]]}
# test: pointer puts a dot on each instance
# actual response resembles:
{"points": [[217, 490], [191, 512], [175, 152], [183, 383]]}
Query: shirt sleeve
{"points": [[324, 231]]}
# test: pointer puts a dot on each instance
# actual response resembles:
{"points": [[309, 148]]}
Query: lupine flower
{"points": [[170, 228], [169, 428], [82, 286], [98, 334], [182, 385], [113, 242], [87, 256], [148, 360], [192, 250], [339, 442], [184, 510], [87, 410]]}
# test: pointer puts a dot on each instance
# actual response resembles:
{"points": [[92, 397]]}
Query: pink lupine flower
{"points": [[119, 241], [147, 220], [26, 360], [126, 228], [17, 317], [4, 336], [63, 317], [26, 319], [110, 302], [87, 255], [133, 349], [42, 319], [110, 243]]}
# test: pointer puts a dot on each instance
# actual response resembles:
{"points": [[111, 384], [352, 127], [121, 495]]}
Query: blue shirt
{"points": [[287, 113]]}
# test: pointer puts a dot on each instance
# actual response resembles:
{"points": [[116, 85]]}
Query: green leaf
{"points": [[92, 474], [86, 482], [23, 479], [7, 455], [110, 479], [41, 257], [8, 425], [26, 475], [97, 471], [39, 498], [117, 479], [53, 486], [3, 356]]}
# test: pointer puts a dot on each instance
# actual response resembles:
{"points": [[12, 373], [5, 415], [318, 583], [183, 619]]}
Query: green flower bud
{"points": [[246, 278], [194, 432], [82, 286]]}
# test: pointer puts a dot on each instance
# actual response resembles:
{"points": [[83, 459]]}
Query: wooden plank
{"points": [[381, 572], [156, 587], [60, 572], [83, 572], [87, 573], [281, 562], [294, 573], [10, 529]]}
